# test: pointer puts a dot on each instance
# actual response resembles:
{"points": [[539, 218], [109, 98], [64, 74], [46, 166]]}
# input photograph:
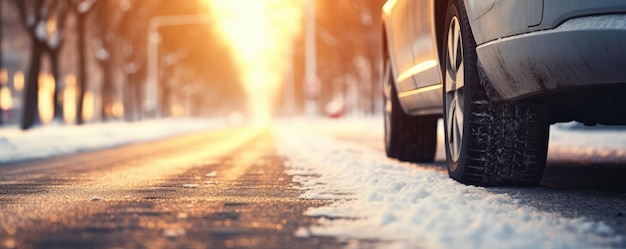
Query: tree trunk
{"points": [[164, 95], [56, 73], [138, 97], [31, 92], [1, 61], [128, 104], [82, 69], [132, 102], [106, 90]]}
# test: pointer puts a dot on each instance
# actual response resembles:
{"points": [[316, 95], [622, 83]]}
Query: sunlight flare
{"points": [[261, 34]]}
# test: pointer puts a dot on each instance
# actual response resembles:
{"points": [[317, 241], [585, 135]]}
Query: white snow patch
{"points": [[574, 142], [40, 31], [376, 198], [182, 216], [302, 232], [52, 140], [211, 174], [102, 54], [174, 232], [85, 6], [191, 185]]}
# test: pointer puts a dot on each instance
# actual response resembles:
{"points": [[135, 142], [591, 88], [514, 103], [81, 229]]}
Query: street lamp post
{"points": [[152, 84], [312, 86]]}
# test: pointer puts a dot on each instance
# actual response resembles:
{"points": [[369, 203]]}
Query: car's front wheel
{"points": [[486, 143]]}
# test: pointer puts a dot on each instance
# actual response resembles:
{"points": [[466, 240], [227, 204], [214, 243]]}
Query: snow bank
{"points": [[379, 199], [52, 140], [574, 142]]}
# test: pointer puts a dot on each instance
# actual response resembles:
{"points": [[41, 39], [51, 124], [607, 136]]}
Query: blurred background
{"points": [[82, 61]]}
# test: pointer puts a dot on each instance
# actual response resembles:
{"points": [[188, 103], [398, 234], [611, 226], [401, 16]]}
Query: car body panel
{"points": [[518, 47], [513, 17], [400, 46], [422, 70], [423, 46], [582, 52]]}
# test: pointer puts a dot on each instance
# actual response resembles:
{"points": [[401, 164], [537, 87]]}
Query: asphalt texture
{"points": [[218, 189], [227, 189]]}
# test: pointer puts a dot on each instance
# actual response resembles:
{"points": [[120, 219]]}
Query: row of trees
{"points": [[348, 41], [111, 36], [105, 41]]}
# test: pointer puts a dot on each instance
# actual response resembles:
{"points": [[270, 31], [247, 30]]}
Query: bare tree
{"points": [[120, 45], [33, 14], [53, 42], [132, 41], [82, 8], [349, 48], [1, 59], [44, 21], [107, 24]]}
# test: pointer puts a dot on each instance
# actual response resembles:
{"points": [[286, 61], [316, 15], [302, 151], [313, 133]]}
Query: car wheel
{"points": [[407, 138], [486, 143]]}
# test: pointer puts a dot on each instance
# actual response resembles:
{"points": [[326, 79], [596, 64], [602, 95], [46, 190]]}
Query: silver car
{"points": [[499, 72]]}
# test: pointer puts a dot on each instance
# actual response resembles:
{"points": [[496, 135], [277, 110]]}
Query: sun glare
{"points": [[261, 34]]}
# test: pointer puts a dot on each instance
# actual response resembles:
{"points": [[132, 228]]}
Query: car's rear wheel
{"points": [[407, 138], [486, 143]]}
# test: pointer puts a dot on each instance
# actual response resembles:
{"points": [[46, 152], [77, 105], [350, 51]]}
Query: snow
{"points": [[374, 198], [574, 142], [369, 196], [302, 233], [55, 40], [102, 54], [174, 232], [40, 31], [52, 140], [85, 6]]}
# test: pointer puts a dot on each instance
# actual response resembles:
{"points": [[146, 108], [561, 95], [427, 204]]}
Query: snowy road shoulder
{"points": [[375, 198], [53, 140]]}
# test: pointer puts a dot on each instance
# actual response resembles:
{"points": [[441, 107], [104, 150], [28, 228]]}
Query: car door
{"points": [[425, 69], [398, 26]]}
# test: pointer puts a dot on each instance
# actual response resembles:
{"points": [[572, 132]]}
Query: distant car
{"points": [[499, 72]]}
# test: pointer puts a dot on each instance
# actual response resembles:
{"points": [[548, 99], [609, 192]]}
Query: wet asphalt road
{"points": [[227, 189], [220, 189]]}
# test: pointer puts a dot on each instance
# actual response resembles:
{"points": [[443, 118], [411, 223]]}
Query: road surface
{"points": [[218, 189], [234, 188]]}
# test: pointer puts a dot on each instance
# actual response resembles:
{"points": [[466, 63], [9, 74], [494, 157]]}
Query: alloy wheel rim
{"points": [[454, 89]]}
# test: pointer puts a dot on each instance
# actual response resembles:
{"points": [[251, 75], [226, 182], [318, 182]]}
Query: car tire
{"points": [[487, 143], [407, 138]]}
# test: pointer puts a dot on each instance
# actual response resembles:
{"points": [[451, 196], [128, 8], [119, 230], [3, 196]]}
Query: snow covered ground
{"points": [[53, 140], [369, 196], [408, 206]]}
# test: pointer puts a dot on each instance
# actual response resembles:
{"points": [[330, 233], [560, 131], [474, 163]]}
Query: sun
{"points": [[261, 34]]}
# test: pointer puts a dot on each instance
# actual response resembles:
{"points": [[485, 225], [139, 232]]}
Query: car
{"points": [[499, 73]]}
